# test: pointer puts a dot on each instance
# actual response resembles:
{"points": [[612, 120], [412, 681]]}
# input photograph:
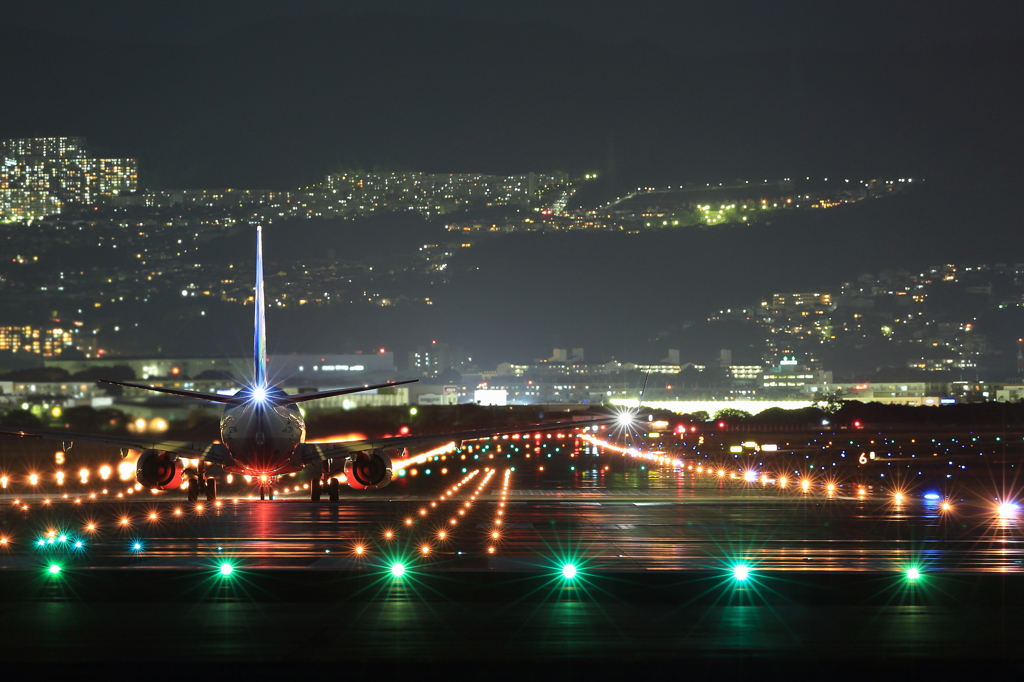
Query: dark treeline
{"points": [[389, 421]]}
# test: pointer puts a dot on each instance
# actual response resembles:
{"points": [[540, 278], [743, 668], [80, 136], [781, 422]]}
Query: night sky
{"points": [[275, 95], [685, 25]]}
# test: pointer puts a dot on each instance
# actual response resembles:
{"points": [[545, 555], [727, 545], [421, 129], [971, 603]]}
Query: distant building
{"points": [[436, 358], [38, 340], [328, 370], [39, 175]]}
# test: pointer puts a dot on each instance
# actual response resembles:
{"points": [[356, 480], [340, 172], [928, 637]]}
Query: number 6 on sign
{"points": [[863, 458]]}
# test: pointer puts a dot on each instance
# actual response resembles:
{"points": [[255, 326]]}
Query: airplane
{"points": [[263, 435]]}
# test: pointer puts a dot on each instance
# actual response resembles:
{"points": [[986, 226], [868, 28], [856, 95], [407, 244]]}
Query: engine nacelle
{"points": [[158, 469], [368, 470]]}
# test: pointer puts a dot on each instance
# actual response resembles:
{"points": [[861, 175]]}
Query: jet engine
{"points": [[368, 469], [158, 469]]}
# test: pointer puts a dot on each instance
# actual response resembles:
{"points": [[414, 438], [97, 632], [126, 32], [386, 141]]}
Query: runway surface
{"points": [[685, 567]]}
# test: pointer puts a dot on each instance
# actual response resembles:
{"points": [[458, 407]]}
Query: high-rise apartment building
{"points": [[39, 175], [28, 339]]}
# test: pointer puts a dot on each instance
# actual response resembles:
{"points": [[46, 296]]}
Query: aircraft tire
{"points": [[193, 491], [211, 490], [314, 490], [332, 490], [263, 493]]}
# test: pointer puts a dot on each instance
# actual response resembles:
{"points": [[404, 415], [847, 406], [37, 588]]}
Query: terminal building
{"points": [[290, 370]]}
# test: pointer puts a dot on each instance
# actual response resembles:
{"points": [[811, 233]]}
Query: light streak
{"points": [[658, 457], [423, 457]]}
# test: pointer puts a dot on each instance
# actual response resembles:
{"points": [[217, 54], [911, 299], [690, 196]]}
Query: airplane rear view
{"points": [[263, 434]]}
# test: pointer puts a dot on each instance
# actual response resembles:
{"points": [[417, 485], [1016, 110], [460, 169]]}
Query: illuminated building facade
{"points": [[39, 175], [27, 339]]}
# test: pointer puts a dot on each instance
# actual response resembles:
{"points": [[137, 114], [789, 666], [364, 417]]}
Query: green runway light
{"points": [[54, 569], [913, 574], [569, 571], [397, 569], [741, 572], [226, 569]]}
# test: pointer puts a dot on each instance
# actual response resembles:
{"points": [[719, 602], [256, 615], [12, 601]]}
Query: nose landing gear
{"points": [[266, 484]]}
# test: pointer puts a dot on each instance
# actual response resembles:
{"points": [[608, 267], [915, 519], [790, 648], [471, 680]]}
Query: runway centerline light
{"points": [[397, 569], [913, 574], [569, 571], [226, 569], [54, 569], [741, 572]]}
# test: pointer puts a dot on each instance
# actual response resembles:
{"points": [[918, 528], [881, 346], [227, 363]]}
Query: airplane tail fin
{"points": [[259, 351]]}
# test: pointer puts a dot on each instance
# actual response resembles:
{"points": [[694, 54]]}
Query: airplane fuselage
{"points": [[263, 438]]}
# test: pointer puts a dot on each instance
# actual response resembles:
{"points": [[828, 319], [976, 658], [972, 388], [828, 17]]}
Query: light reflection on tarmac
{"points": [[656, 576], [696, 527]]}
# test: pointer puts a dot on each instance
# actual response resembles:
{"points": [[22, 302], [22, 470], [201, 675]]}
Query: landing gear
{"points": [[324, 480], [200, 484], [266, 489]]}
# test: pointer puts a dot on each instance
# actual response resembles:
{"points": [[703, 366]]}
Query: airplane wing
{"points": [[212, 397], [214, 453], [317, 452], [245, 395]]}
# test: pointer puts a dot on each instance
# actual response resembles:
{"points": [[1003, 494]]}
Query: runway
{"points": [[680, 567], [610, 532]]}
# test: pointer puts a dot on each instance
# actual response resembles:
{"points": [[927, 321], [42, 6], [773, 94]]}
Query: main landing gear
{"points": [[201, 484], [324, 480]]}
